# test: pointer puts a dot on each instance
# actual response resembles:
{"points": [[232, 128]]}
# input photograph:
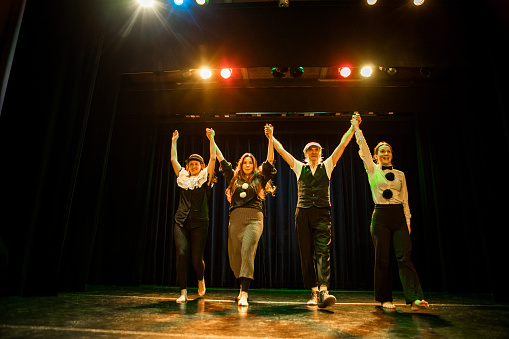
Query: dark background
{"points": [[87, 188]]}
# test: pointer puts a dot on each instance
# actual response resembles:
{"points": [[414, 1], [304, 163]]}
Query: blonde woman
{"points": [[195, 183]]}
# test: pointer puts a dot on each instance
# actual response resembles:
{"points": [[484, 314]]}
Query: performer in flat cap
{"points": [[195, 182], [312, 216]]}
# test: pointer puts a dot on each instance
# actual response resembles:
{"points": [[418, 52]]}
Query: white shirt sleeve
{"points": [[329, 166], [297, 168]]}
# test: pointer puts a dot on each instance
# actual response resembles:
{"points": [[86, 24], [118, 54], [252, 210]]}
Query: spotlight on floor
{"points": [[344, 71], [279, 72], [366, 71], [296, 72], [226, 73]]}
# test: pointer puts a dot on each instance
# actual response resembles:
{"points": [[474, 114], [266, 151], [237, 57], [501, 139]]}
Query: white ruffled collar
{"points": [[190, 183]]}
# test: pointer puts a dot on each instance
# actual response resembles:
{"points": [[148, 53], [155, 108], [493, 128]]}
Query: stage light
{"points": [[418, 2], [284, 3], [345, 71], [205, 73], [390, 71], [226, 73], [371, 2], [178, 2], [425, 72], [296, 72], [201, 2], [366, 71], [279, 72], [146, 3]]}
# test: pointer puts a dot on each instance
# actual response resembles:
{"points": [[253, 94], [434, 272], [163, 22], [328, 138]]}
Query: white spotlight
{"points": [[371, 2], [366, 71], [418, 2], [201, 2], [146, 3], [205, 73]]}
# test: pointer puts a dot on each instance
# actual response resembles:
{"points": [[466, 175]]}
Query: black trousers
{"points": [[313, 227], [388, 223], [191, 238]]}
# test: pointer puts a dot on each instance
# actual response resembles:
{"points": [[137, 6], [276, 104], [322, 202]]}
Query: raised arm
{"points": [[212, 160], [174, 160], [219, 154], [268, 133], [338, 152], [280, 149], [364, 152]]}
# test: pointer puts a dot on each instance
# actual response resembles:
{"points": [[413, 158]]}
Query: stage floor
{"points": [[151, 311]]}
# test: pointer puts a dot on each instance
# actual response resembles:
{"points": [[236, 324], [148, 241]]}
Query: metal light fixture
{"points": [[296, 72], [279, 72]]}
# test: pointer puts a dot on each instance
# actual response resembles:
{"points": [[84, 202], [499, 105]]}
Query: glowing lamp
{"points": [[345, 71], [226, 73], [205, 73], [146, 3], [366, 71]]}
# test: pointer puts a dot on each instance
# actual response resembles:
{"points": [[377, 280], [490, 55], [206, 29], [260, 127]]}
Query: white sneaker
{"points": [[201, 288], [182, 298], [243, 299], [325, 299], [314, 299]]}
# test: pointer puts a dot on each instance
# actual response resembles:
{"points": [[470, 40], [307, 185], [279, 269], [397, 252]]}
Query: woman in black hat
{"points": [[192, 218], [248, 185], [390, 221]]}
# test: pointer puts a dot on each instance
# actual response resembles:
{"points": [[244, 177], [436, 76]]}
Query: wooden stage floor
{"points": [[151, 312]]}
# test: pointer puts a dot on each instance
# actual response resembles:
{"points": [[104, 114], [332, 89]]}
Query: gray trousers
{"points": [[244, 232]]}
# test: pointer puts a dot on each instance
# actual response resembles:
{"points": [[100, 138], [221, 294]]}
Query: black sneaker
{"points": [[325, 299]]}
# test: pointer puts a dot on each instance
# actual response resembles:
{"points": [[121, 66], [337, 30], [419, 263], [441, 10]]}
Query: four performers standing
{"points": [[248, 185]]}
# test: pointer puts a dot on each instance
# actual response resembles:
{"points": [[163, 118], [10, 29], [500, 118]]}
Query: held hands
{"points": [[210, 133], [356, 120], [269, 131]]}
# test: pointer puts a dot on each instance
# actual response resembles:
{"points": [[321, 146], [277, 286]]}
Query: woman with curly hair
{"points": [[248, 185], [390, 221], [190, 231]]}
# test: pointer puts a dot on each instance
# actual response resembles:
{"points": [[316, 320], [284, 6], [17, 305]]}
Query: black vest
{"points": [[313, 189]]}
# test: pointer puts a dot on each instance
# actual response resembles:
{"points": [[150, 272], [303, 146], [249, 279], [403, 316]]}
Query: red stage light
{"points": [[344, 71], [226, 73]]}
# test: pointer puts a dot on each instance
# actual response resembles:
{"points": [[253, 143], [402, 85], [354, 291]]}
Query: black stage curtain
{"points": [[277, 262]]}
